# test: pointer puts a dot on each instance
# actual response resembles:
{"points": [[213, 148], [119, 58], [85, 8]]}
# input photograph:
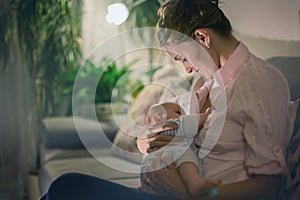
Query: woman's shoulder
{"points": [[259, 70], [257, 76]]}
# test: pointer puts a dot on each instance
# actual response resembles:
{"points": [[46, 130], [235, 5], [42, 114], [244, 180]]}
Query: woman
{"points": [[248, 155]]}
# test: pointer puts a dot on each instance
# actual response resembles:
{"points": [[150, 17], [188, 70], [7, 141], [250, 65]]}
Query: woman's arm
{"points": [[148, 144], [260, 187]]}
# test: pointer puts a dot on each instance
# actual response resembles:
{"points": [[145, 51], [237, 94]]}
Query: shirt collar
{"points": [[234, 63]]}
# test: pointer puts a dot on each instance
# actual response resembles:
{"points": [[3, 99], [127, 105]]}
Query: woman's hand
{"points": [[150, 140], [165, 181]]}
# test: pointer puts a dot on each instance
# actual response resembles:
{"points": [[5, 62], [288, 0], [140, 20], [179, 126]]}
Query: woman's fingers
{"points": [[143, 144], [157, 143], [164, 138], [151, 150], [150, 140]]}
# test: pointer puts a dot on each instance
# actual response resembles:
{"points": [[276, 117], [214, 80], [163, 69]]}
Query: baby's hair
{"points": [[157, 113]]}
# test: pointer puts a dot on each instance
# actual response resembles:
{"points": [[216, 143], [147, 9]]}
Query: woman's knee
{"points": [[67, 178], [68, 185]]}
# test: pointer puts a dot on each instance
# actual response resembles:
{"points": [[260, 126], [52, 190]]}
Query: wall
{"points": [[95, 29], [265, 48], [273, 19], [268, 27]]}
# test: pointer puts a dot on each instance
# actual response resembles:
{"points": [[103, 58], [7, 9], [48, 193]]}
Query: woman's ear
{"points": [[202, 37]]}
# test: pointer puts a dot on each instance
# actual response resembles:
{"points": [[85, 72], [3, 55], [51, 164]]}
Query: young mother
{"points": [[249, 153]]}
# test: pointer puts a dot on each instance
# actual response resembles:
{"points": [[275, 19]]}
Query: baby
{"points": [[188, 163]]}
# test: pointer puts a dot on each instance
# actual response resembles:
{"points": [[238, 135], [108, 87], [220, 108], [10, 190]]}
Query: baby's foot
{"points": [[203, 186]]}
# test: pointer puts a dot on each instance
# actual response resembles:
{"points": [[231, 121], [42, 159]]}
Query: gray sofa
{"points": [[62, 150]]}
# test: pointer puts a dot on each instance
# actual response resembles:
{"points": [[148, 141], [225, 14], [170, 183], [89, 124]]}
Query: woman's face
{"points": [[189, 68], [193, 57], [185, 53]]}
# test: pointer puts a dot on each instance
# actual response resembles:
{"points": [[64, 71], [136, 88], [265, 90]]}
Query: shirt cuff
{"points": [[278, 167]]}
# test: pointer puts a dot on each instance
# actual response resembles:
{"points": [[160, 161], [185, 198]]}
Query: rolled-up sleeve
{"points": [[266, 121]]}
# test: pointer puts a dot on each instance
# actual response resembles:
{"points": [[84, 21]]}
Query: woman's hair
{"points": [[185, 16]]}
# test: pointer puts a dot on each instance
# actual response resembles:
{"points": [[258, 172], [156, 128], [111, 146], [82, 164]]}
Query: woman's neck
{"points": [[222, 48]]}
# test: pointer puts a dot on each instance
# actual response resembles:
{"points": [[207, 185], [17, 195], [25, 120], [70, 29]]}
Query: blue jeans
{"points": [[74, 186]]}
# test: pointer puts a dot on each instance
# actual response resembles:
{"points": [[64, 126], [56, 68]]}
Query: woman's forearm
{"points": [[256, 188]]}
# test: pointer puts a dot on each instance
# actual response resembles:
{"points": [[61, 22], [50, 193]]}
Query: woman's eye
{"points": [[177, 57]]}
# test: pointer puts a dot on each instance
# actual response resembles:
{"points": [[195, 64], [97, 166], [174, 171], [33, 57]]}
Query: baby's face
{"points": [[160, 113], [173, 110], [157, 114]]}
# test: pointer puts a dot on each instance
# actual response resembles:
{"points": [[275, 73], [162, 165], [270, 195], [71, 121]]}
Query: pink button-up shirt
{"points": [[254, 136]]}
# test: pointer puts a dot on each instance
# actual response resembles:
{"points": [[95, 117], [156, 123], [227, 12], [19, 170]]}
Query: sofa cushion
{"points": [[61, 133], [91, 166]]}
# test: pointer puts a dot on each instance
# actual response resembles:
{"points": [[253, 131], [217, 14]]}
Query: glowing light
{"points": [[117, 13]]}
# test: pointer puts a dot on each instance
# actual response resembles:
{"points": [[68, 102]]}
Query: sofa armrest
{"points": [[61, 132]]}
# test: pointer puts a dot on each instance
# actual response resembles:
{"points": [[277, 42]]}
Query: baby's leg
{"points": [[193, 181]]}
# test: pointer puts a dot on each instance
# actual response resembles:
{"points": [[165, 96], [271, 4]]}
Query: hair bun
{"points": [[208, 2], [216, 2]]}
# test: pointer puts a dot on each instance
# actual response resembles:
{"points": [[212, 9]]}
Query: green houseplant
{"points": [[114, 85], [49, 33]]}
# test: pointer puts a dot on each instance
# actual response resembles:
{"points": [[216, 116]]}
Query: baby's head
{"points": [[160, 113]]}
